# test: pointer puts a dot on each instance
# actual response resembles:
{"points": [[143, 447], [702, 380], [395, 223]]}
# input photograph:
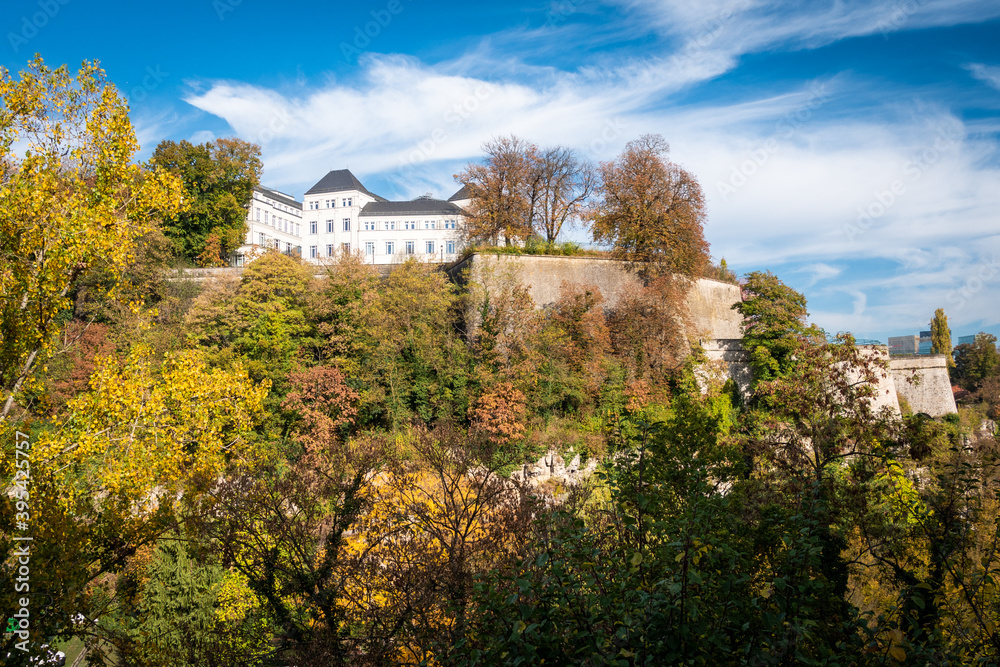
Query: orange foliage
{"points": [[325, 403], [652, 210], [499, 413]]}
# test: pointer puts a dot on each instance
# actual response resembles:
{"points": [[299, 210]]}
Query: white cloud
{"points": [[790, 179], [987, 73]]}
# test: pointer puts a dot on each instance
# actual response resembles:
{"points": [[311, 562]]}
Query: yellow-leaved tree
{"points": [[71, 199], [147, 435]]}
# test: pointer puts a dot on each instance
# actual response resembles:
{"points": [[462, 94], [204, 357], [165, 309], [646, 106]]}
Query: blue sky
{"points": [[849, 147]]}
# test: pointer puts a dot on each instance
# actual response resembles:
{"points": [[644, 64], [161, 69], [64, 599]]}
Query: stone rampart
{"points": [[710, 302], [922, 381]]}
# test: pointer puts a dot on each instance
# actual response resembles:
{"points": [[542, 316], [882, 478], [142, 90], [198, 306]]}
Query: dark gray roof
{"points": [[464, 193], [340, 180], [420, 206], [279, 196]]}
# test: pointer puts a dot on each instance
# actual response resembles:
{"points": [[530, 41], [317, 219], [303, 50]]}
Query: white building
{"points": [[274, 220], [340, 214]]}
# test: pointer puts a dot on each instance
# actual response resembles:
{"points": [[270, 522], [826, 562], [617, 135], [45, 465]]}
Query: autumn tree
{"points": [[70, 200], [651, 210], [941, 337], [502, 190], [110, 477], [219, 177], [562, 185], [647, 330]]}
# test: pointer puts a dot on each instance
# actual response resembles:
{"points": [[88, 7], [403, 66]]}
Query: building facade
{"points": [[904, 344], [274, 220], [339, 214]]}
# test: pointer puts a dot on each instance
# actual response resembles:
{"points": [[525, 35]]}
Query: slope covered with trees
{"points": [[282, 469]]}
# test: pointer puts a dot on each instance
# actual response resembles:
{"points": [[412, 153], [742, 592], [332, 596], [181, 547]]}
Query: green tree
{"points": [[183, 610], [651, 210], [976, 361], [774, 322], [941, 337], [219, 178]]}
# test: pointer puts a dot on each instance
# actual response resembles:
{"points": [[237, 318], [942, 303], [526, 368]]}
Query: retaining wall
{"points": [[710, 302], [922, 380]]}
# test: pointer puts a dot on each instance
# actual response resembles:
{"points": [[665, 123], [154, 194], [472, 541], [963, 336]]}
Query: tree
{"points": [[110, 477], [941, 337], [774, 321], [563, 183], [651, 210], [503, 191], [72, 201], [976, 361], [219, 177]]}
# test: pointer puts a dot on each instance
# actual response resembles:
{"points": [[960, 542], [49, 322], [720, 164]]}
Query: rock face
{"points": [[552, 468]]}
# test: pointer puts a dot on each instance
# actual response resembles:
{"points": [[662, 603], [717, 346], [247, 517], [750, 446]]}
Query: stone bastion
{"points": [[921, 380]]}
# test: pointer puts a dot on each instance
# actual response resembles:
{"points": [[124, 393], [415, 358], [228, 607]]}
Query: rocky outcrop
{"points": [[553, 469]]}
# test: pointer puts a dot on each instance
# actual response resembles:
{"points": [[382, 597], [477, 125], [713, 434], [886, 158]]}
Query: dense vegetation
{"points": [[285, 469]]}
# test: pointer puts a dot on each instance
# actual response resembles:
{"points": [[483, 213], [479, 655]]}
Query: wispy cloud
{"points": [[834, 178], [987, 73]]}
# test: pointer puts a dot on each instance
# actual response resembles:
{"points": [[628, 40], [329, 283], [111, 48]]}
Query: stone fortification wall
{"points": [[885, 391], [709, 302], [729, 361], [922, 380], [202, 274]]}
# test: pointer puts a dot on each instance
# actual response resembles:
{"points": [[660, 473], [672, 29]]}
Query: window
{"points": [[450, 224], [261, 239], [329, 226], [346, 202], [312, 227], [451, 247], [313, 205], [369, 248], [390, 225], [430, 247], [266, 220], [312, 252], [430, 224], [347, 224], [329, 250], [390, 247], [369, 226], [298, 229], [411, 247], [257, 209], [328, 203], [410, 224], [346, 247]]}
